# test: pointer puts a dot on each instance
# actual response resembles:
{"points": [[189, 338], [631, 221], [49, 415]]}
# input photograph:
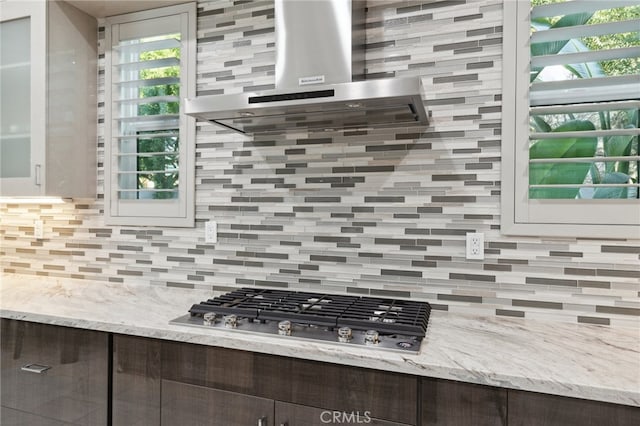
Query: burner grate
{"points": [[308, 308], [389, 316]]}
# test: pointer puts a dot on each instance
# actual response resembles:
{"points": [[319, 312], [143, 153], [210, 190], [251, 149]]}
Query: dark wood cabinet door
{"points": [[136, 381], [386, 395], [448, 403], [72, 391], [192, 405], [288, 414], [536, 409]]}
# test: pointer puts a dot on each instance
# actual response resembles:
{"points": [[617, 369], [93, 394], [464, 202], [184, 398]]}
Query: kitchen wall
{"points": [[363, 212]]}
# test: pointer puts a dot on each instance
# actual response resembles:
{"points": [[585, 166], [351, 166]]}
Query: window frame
{"points": [[178, 212], [519, 214]]}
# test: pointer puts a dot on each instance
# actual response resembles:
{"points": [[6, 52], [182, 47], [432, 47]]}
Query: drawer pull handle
{"points": [[35, 368]]}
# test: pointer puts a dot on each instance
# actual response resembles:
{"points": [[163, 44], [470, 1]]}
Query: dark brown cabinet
{"points": [[184, 404], [173, 383], [384, 395], [449, 403], [536, 409], [200, 405], [287, 414], [53, 375], [136, 381], [59, 376], [391, 397], [204, 384]]}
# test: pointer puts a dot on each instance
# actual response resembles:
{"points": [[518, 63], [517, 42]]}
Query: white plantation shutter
{"points": [[574, 158], [583, 90], [149, 170]]}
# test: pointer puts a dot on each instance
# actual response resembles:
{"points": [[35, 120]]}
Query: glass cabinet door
{"points": [[22, 96], [15, 99]]}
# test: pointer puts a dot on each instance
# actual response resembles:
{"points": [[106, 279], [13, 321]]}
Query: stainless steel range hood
{"points": [[319, 79]]}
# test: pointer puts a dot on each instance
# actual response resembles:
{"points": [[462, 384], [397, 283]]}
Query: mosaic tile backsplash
{"points": [[380, 212]]}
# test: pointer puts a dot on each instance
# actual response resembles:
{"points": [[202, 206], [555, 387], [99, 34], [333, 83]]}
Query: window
{"points": [[149, 144], [571, 102]]}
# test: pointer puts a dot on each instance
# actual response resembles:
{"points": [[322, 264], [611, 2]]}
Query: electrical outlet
{"points": [[475, 245], [210, 232], [38, 229]]}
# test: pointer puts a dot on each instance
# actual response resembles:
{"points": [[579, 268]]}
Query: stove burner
{"points": [[388, 312], [386, 323], [381, 319]]}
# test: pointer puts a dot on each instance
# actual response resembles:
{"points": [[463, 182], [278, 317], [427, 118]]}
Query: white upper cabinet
{"points": [[48, 78]]}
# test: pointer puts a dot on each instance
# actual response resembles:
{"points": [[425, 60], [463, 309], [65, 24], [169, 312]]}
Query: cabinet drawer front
{"points": [[293, 414], [192, 405], [73, 390], [447, 403], [536, 409], [11, 417]]}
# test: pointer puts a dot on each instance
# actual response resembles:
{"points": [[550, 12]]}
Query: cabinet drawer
{"points": [[448, 403], [293, 414], [72, 390], [11, 417], [536, 409], [192, 405]]}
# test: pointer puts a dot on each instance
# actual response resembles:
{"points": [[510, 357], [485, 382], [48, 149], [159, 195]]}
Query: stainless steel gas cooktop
{"points": [[351, 320]]}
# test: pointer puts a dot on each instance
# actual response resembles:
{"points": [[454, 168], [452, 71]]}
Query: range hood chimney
{"points": [[320, 79]]}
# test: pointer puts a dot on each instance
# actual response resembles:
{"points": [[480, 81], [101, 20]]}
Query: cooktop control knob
{"points": [[344, 334], [284, 328], [371, 337], [209, 318], [230, 321]]}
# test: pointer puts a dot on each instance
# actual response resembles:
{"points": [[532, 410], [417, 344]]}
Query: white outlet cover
{"points": [[211, 232], [475, 246], [38, 229]]}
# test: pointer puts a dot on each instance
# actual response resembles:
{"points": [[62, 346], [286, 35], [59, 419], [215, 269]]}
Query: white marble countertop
{"points": [[577, 360]]}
